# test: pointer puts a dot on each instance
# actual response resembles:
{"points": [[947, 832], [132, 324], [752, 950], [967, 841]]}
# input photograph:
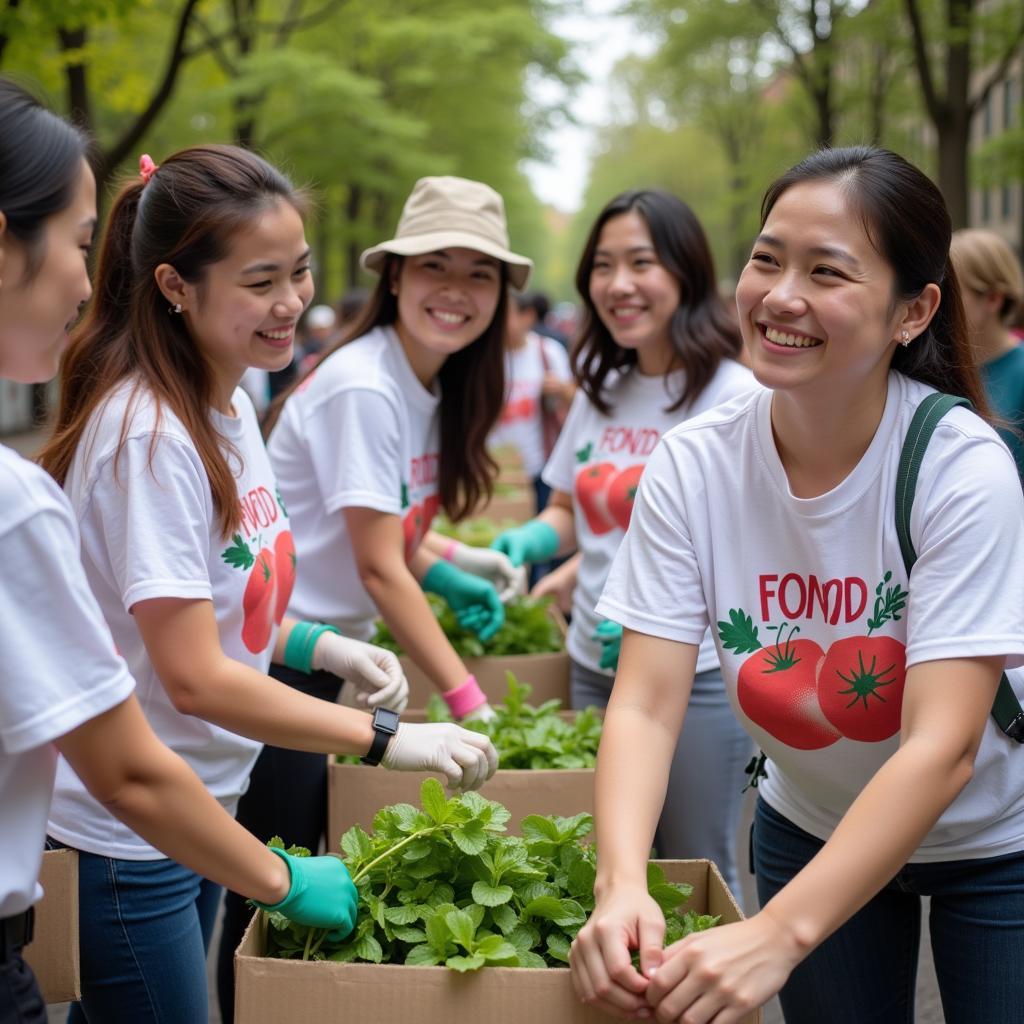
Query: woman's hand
{"points": [[507, 579], [603, 974], [724, 973], [560, 583], [375, 674], [467, 759]]}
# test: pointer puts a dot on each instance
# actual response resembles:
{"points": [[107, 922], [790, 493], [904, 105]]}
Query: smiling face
{"points": [[35, 312], [446, 300], [815, 300], [244, 311], [634, 294]]}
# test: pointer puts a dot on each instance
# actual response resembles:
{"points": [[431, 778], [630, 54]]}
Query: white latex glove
{"points": [[375, 675], [483, 713], [466, 759], [494, 566]]}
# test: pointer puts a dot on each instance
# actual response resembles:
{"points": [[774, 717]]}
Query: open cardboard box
{"points": [[547, 674], [270, 991], [356, 792], [53, 952]]}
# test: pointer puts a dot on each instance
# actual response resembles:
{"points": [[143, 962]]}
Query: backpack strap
{"points": [[1006, 709]]}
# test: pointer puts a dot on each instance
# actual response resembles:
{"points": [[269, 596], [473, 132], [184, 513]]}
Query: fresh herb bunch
{"points": [[528, 629], [532, 737], [444, 885]]}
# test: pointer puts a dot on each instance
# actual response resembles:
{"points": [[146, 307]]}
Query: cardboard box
{"points": [[548, 674], [356, 792], [53, 952], [271, 991], [519, 505]]}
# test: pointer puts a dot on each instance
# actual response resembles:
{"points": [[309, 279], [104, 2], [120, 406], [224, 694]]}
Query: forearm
{"points": [[882, 828], [404, 607], [561, 520]]}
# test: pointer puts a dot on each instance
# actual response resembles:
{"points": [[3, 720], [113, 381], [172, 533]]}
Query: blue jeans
{"points": [[865, 972], [704, 799], [21, 1002], [144, 928]]}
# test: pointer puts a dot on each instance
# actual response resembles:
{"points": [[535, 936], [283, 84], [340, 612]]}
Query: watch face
{"points": [[385, 720]]}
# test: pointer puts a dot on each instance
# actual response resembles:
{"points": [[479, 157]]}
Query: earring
{"points": [[904, 338], [174, 308]]}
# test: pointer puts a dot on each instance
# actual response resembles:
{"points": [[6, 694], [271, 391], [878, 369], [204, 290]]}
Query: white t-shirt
{"points": [[58, 670], [811, 608], [361, 431], [149, 531], [520, 425], [598, 460]]}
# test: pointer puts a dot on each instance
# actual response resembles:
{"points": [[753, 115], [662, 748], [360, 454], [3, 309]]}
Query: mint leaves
{"points": [[528, 629], [443, 884], [533, 737]]}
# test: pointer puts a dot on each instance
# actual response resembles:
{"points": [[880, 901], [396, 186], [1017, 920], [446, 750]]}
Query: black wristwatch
{"points": [[385, 725]]}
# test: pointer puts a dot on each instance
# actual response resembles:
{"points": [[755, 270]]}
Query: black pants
{"points": [[287, 797], [21, 1002]]}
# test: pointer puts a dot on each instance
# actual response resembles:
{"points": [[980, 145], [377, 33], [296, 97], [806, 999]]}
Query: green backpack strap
{"points": [[1006, 710]]}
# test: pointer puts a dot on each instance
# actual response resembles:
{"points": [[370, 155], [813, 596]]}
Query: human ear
{"points": [[172, 285], [918, 313]]}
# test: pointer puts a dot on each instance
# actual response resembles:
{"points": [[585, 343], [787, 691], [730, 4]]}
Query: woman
{"points": [[203, 272], [61, 682], [389, 427], [868, 686], [656, 347], [993, 293]]}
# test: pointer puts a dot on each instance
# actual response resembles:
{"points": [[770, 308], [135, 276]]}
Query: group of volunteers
{"points": [[186, 609]]}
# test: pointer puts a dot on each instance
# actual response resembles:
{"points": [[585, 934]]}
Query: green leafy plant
{"points": [[479, 532], [443, 884], [528, 629]]}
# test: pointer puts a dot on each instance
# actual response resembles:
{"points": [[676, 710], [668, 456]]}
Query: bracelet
{"points": [[449, 551], [465, 698], [298, 650]]}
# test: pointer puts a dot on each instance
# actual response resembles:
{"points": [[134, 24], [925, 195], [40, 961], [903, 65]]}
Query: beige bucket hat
{"points": [[447, 212]]}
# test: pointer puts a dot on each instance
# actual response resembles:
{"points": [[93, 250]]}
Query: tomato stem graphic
{"points": [[782, 656], [866, 682]]}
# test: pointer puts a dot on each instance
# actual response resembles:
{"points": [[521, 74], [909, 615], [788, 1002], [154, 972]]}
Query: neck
{"points": [[820, 441], [426, 365], [224, 385], [515, 342], [657, 360], [991, 342]]}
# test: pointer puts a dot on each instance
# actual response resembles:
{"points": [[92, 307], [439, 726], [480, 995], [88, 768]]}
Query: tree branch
{"points": [[999, 72], [12, 5], [802, 68], [924, 70], [214, 47], [176, 58]]}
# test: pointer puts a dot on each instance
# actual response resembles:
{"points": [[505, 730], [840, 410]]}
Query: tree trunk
{"points": [[954, 129], [79, 107], [353, 207]]}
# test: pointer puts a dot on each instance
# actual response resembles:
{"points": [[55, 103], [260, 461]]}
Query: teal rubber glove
{"points": [[535, 541], [475, 601], [609, 635], [322, 894]]}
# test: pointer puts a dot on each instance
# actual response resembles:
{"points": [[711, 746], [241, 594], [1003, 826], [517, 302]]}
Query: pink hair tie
{"points": [[465, 698], [147, 168], [449, 551]]}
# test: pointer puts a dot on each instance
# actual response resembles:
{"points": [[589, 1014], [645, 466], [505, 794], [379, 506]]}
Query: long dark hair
{"points": [[472, 392], [906, 219], [186, 215], [701, 330], [40, 161]]}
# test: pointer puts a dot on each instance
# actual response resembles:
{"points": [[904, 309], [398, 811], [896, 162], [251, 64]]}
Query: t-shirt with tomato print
{"points": [[360, 432], [813, 614], [598, 460], [58, 670], [520, 425], [149, 531]]}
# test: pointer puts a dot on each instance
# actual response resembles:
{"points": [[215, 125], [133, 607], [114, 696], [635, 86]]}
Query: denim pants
{"points": [[144, 926], [866, 971], [21, 1002], [704, 799]]}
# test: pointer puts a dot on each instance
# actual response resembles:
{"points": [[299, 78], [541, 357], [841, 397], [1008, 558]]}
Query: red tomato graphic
{"points": [[621, 492], [412, 527], [258, 603], [592, 495], [431, 505], [860, 686], [284, 564], [777, 689]]}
